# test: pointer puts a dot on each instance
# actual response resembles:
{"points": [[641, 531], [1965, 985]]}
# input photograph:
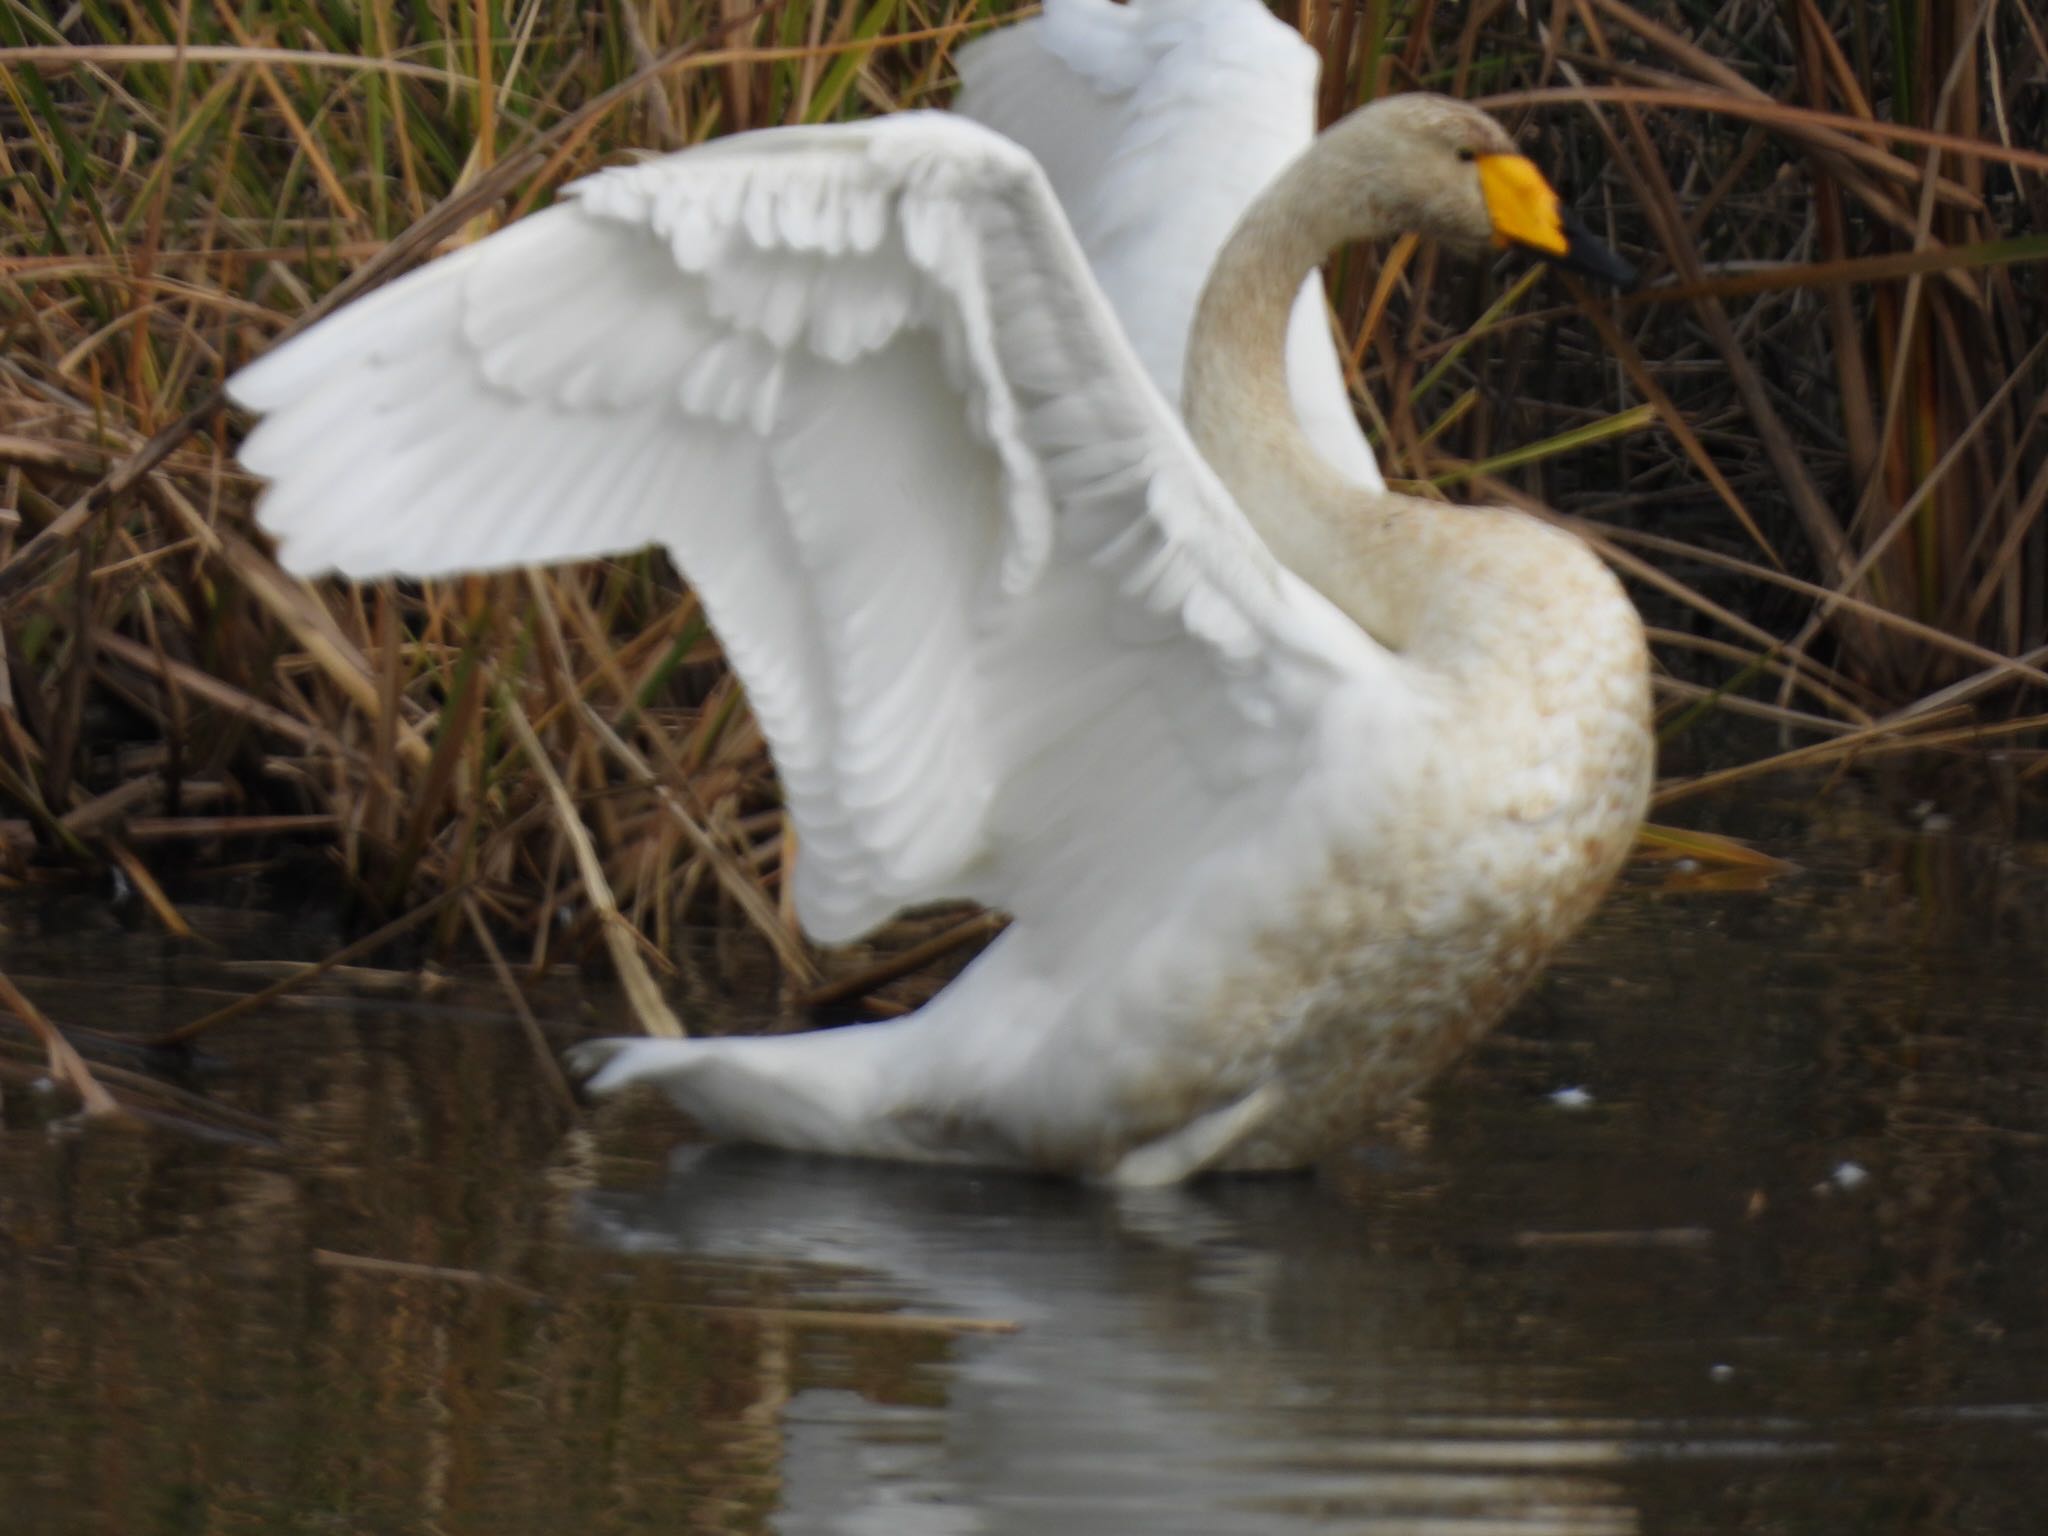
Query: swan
{"points": [[1288, 783]]}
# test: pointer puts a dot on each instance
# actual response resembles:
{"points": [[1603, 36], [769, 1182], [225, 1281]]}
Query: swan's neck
{"points": [[1236, 399], [1235, 395]]}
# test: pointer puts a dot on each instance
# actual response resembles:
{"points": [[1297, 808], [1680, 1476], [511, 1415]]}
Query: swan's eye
{"points": [[1468, 154]]}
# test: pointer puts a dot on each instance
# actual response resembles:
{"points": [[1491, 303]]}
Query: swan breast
{"points": [[1414, 929]]}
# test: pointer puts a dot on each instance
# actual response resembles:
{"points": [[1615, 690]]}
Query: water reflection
{"points": [[1229, 1358], [420, 1300]]}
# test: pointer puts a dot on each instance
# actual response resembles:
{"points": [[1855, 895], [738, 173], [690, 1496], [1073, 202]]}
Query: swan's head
{"points": [[1448, 170]]}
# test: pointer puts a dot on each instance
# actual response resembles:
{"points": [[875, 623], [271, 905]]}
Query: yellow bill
{"points": [[1525, 211], [1521, 204]]}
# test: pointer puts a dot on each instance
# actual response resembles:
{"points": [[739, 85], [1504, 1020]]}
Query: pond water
{"points": [[1779, 1265]]}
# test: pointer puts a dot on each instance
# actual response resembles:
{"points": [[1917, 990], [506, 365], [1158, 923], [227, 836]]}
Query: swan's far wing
{"points": [[1003, 629], [1158, 123]]}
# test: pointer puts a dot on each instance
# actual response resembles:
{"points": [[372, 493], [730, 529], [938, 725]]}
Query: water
{"points": [[1783, 1269]]}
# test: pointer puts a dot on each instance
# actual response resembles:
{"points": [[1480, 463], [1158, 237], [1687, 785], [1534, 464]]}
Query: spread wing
{"points": [[1158, 123], [1005, 632]]}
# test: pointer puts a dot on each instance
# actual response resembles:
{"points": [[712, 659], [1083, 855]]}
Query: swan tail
{"points": [[605, 1067], [819, 1092]]}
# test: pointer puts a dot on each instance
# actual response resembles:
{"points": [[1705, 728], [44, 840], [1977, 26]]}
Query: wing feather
{"points": [[1003, 630], [1158, 123]]}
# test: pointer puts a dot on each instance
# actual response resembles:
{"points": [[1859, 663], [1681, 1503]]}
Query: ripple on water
{"points": [[408, 1301]]}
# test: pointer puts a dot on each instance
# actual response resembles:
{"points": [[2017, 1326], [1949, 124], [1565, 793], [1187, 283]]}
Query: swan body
{"points": [[1288, 783]]}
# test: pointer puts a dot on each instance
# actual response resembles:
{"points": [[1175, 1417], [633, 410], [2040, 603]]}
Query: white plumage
{"points": [[1009, 636], [1157, 123]]}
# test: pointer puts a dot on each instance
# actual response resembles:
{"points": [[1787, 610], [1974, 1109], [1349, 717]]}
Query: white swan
{"points": [[1289, 785]]}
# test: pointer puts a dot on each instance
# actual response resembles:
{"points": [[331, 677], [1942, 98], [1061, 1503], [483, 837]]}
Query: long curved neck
{"points": [[1236, 399], [1235, 395]]}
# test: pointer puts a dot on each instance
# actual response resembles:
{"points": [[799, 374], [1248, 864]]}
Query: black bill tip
{"points": [[1589, 256]]}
